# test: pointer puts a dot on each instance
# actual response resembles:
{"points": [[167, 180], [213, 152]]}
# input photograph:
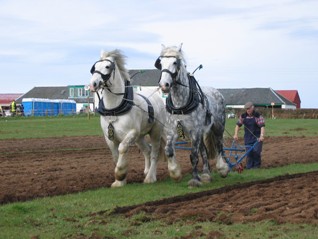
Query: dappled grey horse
{"points": [[193, 114]]}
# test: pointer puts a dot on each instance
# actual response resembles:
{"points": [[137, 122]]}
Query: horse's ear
{"points": [[180, 47], [102, 54], [158, 63], [163, 46], [93, 69], [112, 65], [178, 63]]}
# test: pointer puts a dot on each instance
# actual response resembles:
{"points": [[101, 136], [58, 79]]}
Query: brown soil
{"points": [[32, 168], [289, 198]]}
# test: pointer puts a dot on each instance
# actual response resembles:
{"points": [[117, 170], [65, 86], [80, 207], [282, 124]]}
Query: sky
{"points": [[240, 43]]}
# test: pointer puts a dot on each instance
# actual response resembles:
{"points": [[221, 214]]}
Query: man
{"points": [[254, 130], [13, 108]]}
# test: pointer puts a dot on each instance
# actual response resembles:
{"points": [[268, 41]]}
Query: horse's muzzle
{"points": [[92, 88], [165, 88]]}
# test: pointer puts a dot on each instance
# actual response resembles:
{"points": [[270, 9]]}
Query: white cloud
{"points": [[242, 43]]}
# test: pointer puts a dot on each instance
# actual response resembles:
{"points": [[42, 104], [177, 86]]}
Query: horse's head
{"points": [[170, 64], [103, 70]]}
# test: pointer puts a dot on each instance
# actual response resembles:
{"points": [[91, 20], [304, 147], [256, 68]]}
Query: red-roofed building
{"points": [[5, 102], [6, 99], [291, 95]]}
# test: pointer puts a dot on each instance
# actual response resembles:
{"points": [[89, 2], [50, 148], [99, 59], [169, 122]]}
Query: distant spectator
{"points": [[22, 109], [13, 108]]}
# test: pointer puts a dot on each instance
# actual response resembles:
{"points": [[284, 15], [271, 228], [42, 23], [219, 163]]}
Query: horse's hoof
{"points": [[146, 172], [150, 180], [175, 173], [194, 183], [118, 184], [176, 176], [206, 178], [223, 172]]}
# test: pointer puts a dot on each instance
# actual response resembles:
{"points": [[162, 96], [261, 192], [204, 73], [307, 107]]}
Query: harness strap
{"points": [[195, 98], [151, 113], [126, 104]]}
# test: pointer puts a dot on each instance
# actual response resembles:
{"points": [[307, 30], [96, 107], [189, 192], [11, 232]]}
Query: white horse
{"points": [[192, 113], [127, 117]]}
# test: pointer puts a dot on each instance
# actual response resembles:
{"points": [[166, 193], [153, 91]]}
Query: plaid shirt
{"points": [[260, 121]]}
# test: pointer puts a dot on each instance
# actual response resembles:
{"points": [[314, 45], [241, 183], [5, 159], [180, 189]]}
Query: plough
{"points": [[233, 155]]}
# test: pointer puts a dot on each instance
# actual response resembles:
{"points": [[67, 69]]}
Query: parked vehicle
{"points": [[231, 115]]}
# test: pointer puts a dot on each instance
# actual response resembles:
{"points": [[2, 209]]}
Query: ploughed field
{"points": [[32, 168]]}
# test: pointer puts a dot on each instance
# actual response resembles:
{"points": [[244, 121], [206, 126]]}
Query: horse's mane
{"points": [[173, 51], [120, 60]]}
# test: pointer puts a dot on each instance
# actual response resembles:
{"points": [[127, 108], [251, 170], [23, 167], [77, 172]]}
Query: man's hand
{"points": [[261, 138]]}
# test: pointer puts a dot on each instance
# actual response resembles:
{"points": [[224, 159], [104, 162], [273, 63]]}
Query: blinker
{"points": [[111, 67], [158, 63]]}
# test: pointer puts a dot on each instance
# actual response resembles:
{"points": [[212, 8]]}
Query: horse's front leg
{"points": [[122, 164], [173, 166], [194, 158], [113, 148]]}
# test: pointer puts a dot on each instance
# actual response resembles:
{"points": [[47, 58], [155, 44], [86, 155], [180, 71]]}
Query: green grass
{"points": [[42, 127], [281, 127], [86, 214]]}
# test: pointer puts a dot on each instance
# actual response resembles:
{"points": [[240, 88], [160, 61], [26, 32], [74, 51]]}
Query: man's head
{"points": [[249, 107]]}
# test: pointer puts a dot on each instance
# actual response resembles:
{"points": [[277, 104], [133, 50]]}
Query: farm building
{"points": [[291, 95], [148, 79], [234, 98], [261, 97]]}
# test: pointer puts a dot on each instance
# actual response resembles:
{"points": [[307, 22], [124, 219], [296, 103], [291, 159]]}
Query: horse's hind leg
{"points": [[221, 165], [194, 157], [146, 150], [206, 172], [173, 166]]}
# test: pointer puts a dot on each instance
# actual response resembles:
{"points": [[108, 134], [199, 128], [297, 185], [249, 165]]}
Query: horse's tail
{"points": [[213, 140], [209, 141], [162, 155]]}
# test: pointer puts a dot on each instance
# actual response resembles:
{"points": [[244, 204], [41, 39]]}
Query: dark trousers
{"points": [[254, 159]]}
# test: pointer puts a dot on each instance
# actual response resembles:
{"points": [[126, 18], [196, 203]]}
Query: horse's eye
{"points": [[107, 67], [175, 63]]}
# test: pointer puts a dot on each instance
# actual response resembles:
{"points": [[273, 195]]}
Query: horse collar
{"points": [[125, 105], [196, 97]]}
